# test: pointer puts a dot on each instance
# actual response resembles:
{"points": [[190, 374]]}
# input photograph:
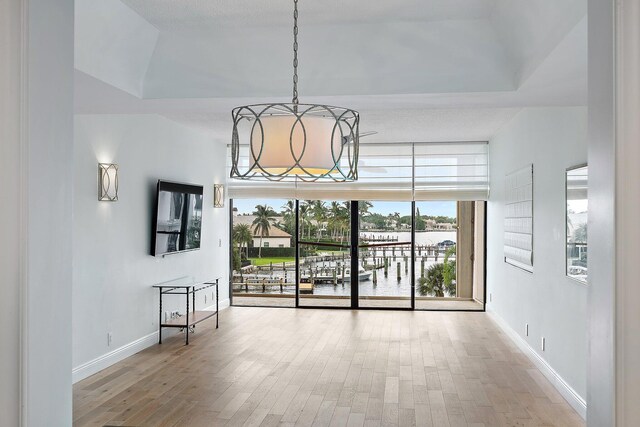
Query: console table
{"points": [[192, 316]]}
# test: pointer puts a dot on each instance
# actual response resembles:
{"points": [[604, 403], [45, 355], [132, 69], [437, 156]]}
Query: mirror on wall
{"points": [[576, 217]]}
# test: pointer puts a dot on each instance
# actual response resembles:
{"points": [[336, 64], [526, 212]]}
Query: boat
{"points": [[363, 275]]}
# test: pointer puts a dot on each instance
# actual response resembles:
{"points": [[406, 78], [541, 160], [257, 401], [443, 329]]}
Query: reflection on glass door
{"points": [[385, 254], [324, 242]]}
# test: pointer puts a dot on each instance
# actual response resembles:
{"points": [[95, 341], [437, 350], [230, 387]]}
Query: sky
{"points": [[247, 206]]}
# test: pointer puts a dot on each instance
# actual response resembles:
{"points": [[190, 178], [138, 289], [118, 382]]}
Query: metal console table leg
{"points": [[217, 308], [186, 326], [160, 318]]}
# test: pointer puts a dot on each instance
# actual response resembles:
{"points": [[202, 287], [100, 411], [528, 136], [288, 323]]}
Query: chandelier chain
{"points": [[295, 52]]}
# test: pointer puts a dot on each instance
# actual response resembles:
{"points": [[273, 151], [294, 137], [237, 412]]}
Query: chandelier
{"points": [[306, 142]]}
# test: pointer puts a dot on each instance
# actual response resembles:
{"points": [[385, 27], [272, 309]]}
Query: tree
{"points": [[319, 212], [237, 262], [580, 234], [420, 224], [405, 220], [379, 222], [289, 217], [439, 279], [393, 220], [337, 218], [304, 209], [449, 271], [363, 208], [262, 223], [433, 282], [242, 236]]}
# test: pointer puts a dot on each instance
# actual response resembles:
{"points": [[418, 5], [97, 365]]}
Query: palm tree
{"points": [[363, 208], [394, 219], [289, 208], [334, 213], [338, 218], [319, 212], [305, 209], [262, 223], [440, 278], [242, 235], [289, 216]]}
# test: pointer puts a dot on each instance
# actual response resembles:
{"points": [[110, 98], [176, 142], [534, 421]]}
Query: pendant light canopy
{"points": [[295, 141]]}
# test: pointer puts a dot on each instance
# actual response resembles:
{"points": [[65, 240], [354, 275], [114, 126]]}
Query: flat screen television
{"points": [[177, 222]]}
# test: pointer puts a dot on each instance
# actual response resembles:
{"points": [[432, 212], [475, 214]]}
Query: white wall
{"points": [[48, 193], [601, 369], [627, 213], [554, 306], [10, 212], [36, 140], [113, 271]]}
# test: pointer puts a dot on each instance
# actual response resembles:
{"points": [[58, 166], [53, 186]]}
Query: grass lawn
{"points": [[274, 260]]}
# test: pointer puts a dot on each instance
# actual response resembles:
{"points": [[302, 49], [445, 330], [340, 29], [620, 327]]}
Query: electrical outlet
{"points": [[526, 329], [219, 243], [543, 344], [109, 339], [490, 297]]}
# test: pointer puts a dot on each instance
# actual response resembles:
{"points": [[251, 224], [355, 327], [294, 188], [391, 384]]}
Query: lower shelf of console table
{"points": [[192, 316]]}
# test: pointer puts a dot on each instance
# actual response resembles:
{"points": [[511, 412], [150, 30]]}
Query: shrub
{"points": [[439, 280], [433, 282], [273, 252], [237, 262]]}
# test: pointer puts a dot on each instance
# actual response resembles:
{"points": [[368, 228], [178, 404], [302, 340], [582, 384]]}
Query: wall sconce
{"points": [[218, 196], [107, 182]]}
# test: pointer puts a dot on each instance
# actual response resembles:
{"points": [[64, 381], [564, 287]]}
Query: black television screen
{"points": [[178, 218]]}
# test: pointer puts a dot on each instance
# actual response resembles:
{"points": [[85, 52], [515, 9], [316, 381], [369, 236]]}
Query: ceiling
{"points": [[170, 15], [416, 69]]}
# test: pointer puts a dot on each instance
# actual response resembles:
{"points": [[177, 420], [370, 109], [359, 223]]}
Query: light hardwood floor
{"points": [[315, 367]]}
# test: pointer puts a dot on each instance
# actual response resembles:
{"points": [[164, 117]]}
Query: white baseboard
{"points": [[576, 401], [221, 305], [102, 362]]}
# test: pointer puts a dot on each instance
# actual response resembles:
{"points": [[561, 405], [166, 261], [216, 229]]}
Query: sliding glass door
{"points": [[366, 254], [263, 252], [385, 236], [324, 251]]}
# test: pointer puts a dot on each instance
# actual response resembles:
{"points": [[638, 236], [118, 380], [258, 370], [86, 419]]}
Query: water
{"points": [[386, 286], [422, 237]]}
